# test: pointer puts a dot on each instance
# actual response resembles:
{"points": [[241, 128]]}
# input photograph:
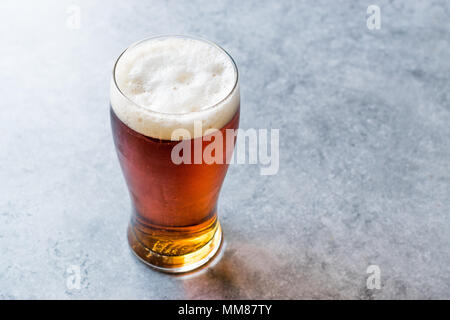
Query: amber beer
{"points": [[159, 86]]}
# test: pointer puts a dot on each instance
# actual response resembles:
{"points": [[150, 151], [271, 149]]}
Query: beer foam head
{"points": [[163, 84]]}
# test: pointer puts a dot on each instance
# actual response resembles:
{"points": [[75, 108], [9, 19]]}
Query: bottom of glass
{"points": [[178, 263]]}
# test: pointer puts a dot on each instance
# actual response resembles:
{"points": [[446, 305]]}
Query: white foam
{"points": [[168, 83]]}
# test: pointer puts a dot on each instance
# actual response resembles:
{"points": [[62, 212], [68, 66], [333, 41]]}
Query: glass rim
{"points": [[208, 108]]}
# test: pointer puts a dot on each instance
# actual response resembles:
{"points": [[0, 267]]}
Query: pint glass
{"points": [[171, 98]]}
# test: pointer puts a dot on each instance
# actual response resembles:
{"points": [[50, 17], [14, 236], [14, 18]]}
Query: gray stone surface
{"points": [[364, 150]]}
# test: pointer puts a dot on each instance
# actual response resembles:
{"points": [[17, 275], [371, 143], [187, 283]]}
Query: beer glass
{"points": [[174, 226]]}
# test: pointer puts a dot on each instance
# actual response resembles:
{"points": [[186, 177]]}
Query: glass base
{"points": [[175, 263]]}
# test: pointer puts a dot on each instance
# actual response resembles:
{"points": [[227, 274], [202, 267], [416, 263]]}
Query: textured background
{"points": [[364, 119]]}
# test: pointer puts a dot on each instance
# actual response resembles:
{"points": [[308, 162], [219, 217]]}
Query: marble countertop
{"points": [[364, 175]]}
